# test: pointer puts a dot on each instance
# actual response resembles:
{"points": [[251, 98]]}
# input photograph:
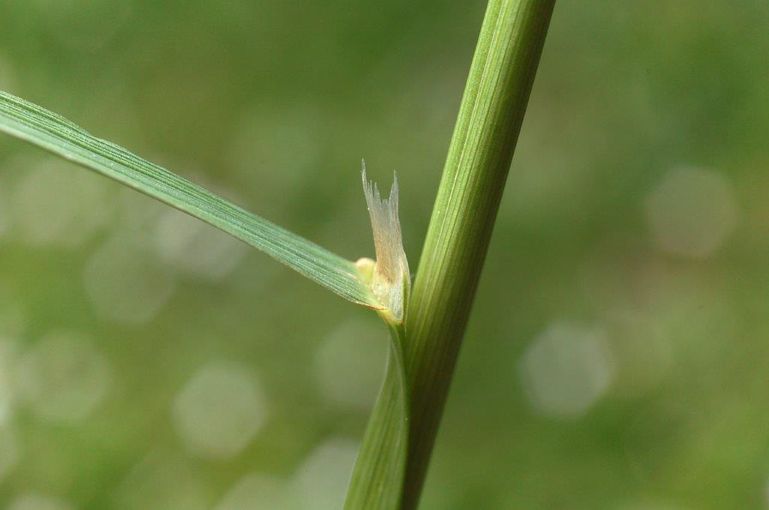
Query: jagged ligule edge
{"points": [[391, 278], [54, 133]]}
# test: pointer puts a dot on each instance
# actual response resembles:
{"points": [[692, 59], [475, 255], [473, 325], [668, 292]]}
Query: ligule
{"points": [[388, 277]]}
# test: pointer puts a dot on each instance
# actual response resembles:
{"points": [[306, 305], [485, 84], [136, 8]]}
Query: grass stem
{"points": [[479, 157]]}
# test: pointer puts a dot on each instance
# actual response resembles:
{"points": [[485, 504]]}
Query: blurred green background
{"points": [[618, 354]]}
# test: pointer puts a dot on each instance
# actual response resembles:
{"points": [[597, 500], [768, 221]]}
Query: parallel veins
{"points": [[47, 130]]}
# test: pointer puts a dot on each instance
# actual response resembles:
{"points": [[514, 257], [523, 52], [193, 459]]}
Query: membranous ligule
{"points": [[388, 277]]}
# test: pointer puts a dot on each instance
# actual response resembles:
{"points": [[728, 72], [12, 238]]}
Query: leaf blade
{"points": [[49, 131]]}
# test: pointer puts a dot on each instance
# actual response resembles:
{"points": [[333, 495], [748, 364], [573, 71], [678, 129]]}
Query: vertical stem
{"points": [[377, 479], [400, 435], [479, 157]]}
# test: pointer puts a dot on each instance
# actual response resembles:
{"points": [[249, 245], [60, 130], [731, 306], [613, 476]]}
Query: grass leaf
{"points": [[38, 126]]}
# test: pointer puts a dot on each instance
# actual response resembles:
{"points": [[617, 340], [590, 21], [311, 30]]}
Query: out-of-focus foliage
{"points": [[618, 351]]}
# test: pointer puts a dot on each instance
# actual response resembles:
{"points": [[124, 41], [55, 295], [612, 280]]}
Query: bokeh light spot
{"points": [[284, 138], [63, 377], [58, 205], [195, 248], [566, 369], [219, 410], [321, 481], [691, 212], [350, 363], [125, 283]]}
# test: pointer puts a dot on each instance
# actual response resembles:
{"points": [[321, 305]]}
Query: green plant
{"points": [[426, 323]]}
